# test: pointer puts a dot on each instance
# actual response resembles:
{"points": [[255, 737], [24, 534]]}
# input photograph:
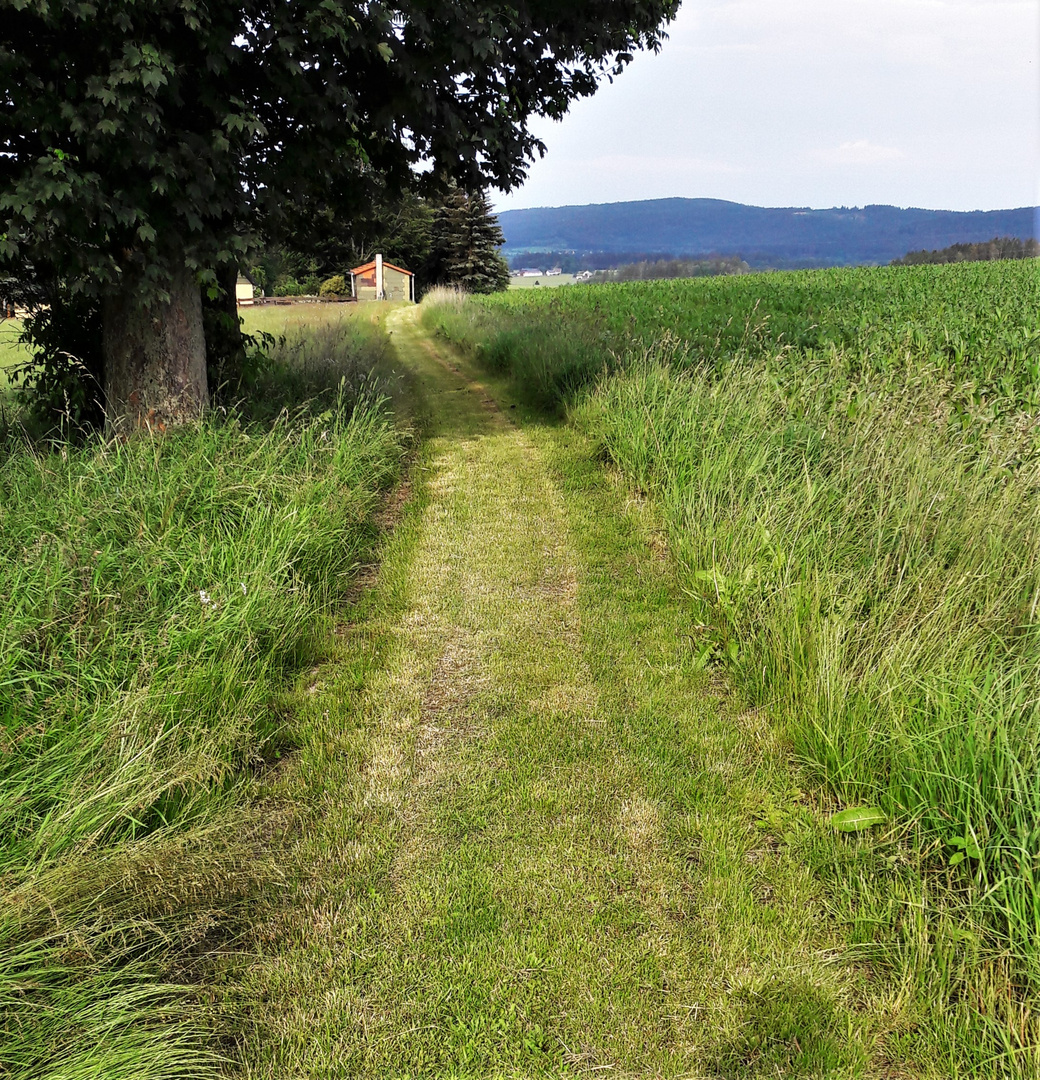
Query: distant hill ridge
{"points": [[763, 236]]}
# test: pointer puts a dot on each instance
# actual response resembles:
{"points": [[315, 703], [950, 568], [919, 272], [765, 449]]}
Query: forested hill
{"points": [[763, 236]]}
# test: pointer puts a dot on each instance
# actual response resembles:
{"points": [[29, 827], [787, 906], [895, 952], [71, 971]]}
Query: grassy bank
{"points": [[157, 600], [857, 529]]}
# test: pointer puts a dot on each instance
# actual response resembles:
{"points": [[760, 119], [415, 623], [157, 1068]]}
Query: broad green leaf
{"points": [[857, 818]]}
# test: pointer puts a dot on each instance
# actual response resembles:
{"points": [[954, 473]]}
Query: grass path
{"points": [[543, 844]]}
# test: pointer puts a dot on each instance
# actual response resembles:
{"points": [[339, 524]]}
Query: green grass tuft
{"points": [[158, 597]]}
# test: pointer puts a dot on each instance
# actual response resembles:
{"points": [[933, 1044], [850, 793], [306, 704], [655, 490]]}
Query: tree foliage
{"points": [[465, 244], [1000, 247], [138, 136], [145, 145], [668, 269], [319, 238]]}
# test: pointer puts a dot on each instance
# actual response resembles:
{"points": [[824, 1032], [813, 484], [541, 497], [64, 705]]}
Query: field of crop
{"points": [[848, 465], [157, 600], [974, 322]]}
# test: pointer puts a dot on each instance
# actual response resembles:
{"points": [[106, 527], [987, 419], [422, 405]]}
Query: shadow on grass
{"points": [[787, 1029]]}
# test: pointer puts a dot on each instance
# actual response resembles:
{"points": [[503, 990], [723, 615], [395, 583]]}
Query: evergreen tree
{"points": [[465, 248]]}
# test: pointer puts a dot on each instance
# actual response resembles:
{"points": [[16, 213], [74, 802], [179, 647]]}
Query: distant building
{"points": [[528, 272], [244, 292], [380, 280], [556, 271]]}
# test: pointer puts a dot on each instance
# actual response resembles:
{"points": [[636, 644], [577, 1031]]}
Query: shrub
{"points": [[334, 286], [60, 387], [288, 286]]}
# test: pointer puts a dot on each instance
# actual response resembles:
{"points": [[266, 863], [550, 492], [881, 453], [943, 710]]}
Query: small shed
{"points": [[243, 292], [380, 280]]}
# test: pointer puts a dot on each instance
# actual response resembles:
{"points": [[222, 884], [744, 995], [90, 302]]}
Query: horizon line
{"points": [[1035, 207]]}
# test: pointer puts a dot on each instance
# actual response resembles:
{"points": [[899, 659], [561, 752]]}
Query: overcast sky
{"points": [[929, 103]]}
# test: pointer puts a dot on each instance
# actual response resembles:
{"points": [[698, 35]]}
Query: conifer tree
{"points": [[466, 243]]}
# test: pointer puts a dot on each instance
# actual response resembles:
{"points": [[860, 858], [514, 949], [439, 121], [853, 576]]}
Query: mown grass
{"points": [[859, 547], [539, 844], [158, 597]]}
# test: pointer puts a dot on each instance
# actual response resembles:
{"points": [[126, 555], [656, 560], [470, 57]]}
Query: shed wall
{"points": [[395, 284]]}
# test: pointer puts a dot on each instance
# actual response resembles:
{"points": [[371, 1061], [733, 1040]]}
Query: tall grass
{"points": [[869, 567], [550, 360], [861, 549], [157, 598]]}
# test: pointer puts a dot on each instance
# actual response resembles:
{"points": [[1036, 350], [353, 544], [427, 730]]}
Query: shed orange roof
{"points": [[372, 265]]}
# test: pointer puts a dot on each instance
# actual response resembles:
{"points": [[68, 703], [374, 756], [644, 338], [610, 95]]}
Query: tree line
{"points": [[575, 262], [1000, 247], [450, 239], [664, 269]]}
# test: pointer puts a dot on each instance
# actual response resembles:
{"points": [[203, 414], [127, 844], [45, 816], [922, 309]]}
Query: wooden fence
{"points": [[259, 301]]}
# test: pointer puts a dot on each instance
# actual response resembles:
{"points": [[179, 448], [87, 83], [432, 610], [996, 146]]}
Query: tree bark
{"points": [[155, 358]]}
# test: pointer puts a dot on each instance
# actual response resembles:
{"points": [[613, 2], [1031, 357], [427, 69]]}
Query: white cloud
{"points": [[858, 152]]}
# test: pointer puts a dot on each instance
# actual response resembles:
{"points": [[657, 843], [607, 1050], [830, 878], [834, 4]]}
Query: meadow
{"points": [[12, 352], [847, 464], [158, 599], [542, 281]]}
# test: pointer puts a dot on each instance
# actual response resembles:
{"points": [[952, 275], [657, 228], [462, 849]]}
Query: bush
{"points": [[60, 387], [334, 286], [288, 286]]}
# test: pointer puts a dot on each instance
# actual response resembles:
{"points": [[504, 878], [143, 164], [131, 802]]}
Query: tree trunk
{"points": [[225, 347], [155, 358]]}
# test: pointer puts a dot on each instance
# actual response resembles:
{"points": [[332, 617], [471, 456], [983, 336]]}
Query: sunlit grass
{"points": [[12, 352], [543, 281], [158, 597], [281, 318], [858, 541]]}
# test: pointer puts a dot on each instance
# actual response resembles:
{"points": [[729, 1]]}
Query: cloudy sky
{"points": [[930, 103]]}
